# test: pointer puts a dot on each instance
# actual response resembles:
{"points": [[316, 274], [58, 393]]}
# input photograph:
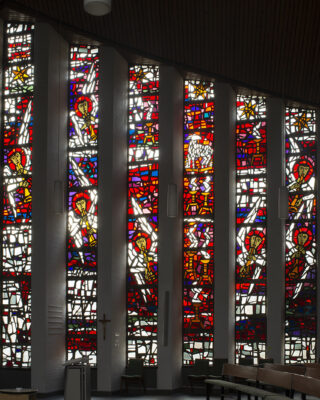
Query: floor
{"points": [[176, 396], [145, 397]]}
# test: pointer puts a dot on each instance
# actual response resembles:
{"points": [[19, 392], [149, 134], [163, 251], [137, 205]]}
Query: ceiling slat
{"points": [[268, 45]]}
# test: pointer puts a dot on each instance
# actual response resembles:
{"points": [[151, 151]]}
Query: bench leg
{"points": [[208, 390], [222, 393], [238, 395], [290, 393], [143, 385], [123, 385]]}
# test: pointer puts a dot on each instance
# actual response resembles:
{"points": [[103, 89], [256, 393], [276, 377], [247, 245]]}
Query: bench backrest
{"points": [[292, 369], [135, 366], [240, 371], [312, 365], [263, 361], [306, 384], [275, 378], [313, 372], [201, 367]]}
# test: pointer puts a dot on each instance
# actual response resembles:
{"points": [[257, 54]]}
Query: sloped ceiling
{"points": [[271, 46]]}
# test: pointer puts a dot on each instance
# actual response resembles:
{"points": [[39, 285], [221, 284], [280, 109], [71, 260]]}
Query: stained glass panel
{"points": [[143, 195], [17, 127], [300, 274], [251, 213], [198, 210], [82, 203]]}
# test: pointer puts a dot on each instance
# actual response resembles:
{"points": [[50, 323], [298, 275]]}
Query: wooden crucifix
{"points": [[104, 322]]}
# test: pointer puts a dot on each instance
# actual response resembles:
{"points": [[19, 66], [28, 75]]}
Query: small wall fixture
{"points": [[98, 8]]}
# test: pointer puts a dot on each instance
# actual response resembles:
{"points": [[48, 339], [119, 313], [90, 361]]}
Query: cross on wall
{"points": [[104, 322]]}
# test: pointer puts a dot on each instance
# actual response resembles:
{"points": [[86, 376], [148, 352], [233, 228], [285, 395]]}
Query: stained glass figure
{"points": [[82, 203], [143, 194], [17, 125], [251, 213], [198, 206], [300, 275]]}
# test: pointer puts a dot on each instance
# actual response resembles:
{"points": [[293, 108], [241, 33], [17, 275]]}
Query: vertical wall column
{"points": [[275, 230], [170, 236], [225, 207], [112, 193], [49, 220]]}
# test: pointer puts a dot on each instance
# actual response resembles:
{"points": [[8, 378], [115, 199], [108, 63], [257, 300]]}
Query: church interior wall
{"points": [[48, 280]]}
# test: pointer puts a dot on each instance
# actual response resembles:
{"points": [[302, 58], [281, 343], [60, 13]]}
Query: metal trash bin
{"points": [[77, 384]]}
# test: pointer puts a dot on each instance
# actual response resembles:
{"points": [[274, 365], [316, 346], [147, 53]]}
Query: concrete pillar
{"points": [[49, 227], [275, 231], [224, 217], [170, 231], [112, 214]]}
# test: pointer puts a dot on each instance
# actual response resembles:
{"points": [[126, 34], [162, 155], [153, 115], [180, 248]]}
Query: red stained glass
{"points": [[17, 122], [251, 214], [143, 189], [83, 132], [301, 251], [198, 211]]}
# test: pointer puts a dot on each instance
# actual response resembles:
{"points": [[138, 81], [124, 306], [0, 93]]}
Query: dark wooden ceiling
{"points": [[271, 46]]}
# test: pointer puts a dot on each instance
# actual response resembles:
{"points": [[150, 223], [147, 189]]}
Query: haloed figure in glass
{"points": [[83, 221], [16, 178]]}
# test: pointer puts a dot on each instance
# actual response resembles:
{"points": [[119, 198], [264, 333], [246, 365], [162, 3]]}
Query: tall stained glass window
{"points": [[300, 278], [82, 203], [198, 208], [143, 196], [251, 213], [17, 130]]}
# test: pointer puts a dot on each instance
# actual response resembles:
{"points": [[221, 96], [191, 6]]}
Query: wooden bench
{"points": [[276, 379], [312, 365], [269, 377], [245, 379], [239, 372], [306, 385], [299, 376], [238, 378], [292, 369], [313, 372], [248, 378], [242, 388], [230, 373], [238, 388]]}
